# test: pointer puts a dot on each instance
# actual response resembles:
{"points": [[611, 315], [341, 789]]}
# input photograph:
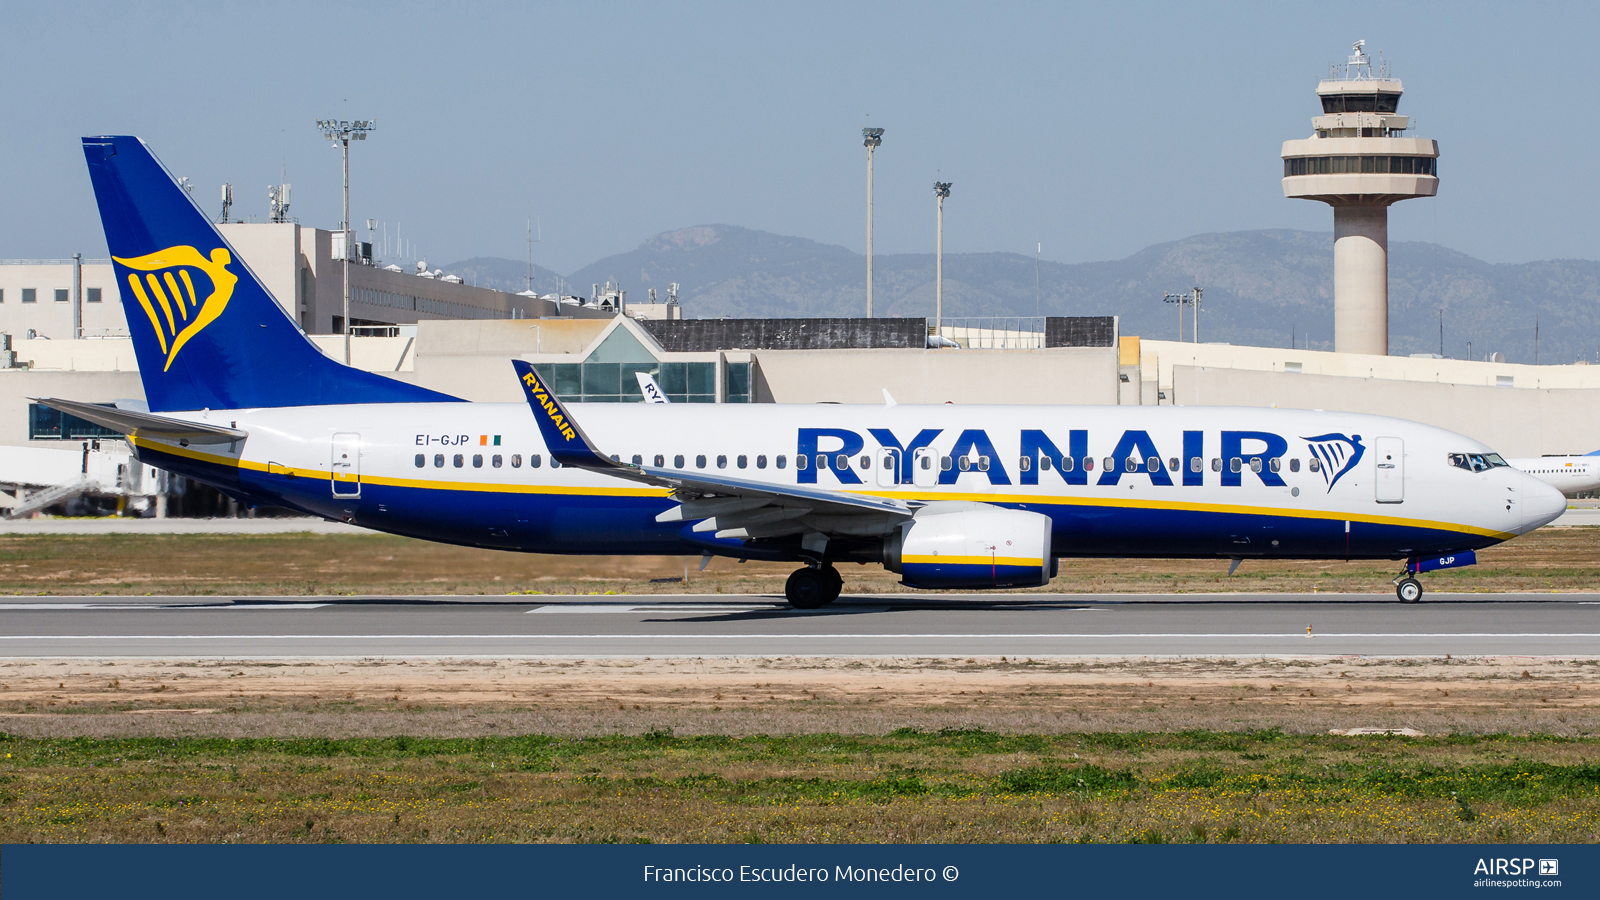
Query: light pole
{"points": [[870, 138], [1179, 299], [941, 190], [342, 133]]}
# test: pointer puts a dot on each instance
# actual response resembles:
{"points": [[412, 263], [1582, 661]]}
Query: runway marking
{"points": [[9, 607], [1299, 636], [597, 608]]}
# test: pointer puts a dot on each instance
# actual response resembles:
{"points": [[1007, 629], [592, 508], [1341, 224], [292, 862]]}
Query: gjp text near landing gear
{"points": [[813, 588], [1408, 589]]}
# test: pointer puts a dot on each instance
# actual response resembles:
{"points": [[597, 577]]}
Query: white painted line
{"points": [[597, 608], [1299, 636]]}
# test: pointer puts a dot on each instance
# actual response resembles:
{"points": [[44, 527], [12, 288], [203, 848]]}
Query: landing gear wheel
{"points": [[809, 588], [1409, 590], [835, 583]]}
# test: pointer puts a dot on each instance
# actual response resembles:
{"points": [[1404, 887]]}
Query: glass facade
{"points": [[1378, 103], [607, 376], [1342, 165], [46, 424]]}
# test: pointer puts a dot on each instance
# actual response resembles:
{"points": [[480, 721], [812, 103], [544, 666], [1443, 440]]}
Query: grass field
{"points": [[906, 786], [1551, 559]]}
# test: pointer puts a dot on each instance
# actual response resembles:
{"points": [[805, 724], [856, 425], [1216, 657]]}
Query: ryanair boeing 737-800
{"points": [[973, 497]]}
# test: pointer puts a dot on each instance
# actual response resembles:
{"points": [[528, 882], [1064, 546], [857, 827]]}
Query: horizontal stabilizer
{"points": [[143, 424]]}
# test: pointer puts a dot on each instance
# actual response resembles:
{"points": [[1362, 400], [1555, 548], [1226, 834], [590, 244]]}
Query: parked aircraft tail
{"points": [[206, 332]]}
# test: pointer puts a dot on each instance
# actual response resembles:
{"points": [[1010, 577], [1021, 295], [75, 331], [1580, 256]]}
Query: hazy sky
{"points": [[1096, 129]]}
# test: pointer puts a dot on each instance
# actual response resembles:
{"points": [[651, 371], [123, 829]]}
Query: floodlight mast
{"points": [[941, 190], [342, 132], [871, 138]]}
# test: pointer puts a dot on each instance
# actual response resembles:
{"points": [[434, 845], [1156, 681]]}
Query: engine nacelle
{"points": [[971, 546]]}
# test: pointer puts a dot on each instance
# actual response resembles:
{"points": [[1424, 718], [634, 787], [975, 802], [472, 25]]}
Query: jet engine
{"points": [[971, 545]]}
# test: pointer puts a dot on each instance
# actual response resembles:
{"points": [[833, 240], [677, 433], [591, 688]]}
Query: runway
{"points": [[656, 626]]}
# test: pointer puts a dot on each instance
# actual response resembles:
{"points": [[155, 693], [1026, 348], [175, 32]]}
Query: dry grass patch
{"points": [[1551, 559]]}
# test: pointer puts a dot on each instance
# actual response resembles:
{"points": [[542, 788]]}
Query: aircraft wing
{"points": [[571, 447], [143, 424]]}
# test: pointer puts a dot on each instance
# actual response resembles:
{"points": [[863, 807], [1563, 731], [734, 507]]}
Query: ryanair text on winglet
{"points": [[542, 397]]}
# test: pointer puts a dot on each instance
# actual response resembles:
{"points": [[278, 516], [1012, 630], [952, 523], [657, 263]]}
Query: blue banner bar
{"points": [[310, 872]]}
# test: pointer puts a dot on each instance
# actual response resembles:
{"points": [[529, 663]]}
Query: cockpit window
{"points": [[1477, 462]]}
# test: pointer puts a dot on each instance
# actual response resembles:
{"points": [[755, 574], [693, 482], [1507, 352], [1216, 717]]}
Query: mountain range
{"points": [[1264, 288]]}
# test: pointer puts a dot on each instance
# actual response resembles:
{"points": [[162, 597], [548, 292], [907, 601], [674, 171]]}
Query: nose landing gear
{"points": [[1408, 589], [810, 588]]}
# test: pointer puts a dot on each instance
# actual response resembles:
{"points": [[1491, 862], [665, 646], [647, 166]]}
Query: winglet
{"points": [[567, 442]]}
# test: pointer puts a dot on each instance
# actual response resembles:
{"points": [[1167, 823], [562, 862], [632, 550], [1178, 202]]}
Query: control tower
{"points": [[1359, 160]]}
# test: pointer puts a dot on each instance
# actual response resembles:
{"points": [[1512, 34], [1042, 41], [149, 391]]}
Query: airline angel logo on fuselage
{"points": [[167, 293], [1338, 453]]}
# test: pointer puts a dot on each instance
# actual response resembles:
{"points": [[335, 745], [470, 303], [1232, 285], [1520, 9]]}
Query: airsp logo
{"points": [[182, 315]]}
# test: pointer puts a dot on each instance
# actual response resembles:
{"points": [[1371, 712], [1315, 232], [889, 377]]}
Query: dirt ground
{"points": [[1551, 559], [60, 698]]}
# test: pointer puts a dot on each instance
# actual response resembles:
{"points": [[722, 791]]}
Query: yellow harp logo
{"points": [[176, 313]]}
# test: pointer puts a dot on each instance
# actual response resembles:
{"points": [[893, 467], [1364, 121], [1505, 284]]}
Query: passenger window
{"points": [[1216, 464], [1044, 463], [761, 461], [422, 460], [945, 464], [1236, 464], [743, 461], [1275, 464], [516, 460], [1255, 464], [459, 460], [534, 460], [722, 461], [1294, 464], [983, 464], [1314, 464], [1131, 464], [638, 460], [841, 462], [495, 460], [866, 462], [555, 463], [784, 460], [477, 460], [677, 461], [661, 461], [1195, 463], [966, 464], [438, 460], [888, 462], [1153, 464], [1108, 464], [1024, 464], [1088, 464], [1067, 463], [1172, 464], [799, 462], [927, 462], [615, 458]]}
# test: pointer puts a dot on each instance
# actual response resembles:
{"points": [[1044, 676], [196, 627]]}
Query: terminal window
{"points": [[46, 424], [30, 295], [61, 295], [94, 296]]}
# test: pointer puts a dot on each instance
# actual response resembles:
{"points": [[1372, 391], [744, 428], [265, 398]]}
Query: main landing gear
{"points": [[813, 588]]}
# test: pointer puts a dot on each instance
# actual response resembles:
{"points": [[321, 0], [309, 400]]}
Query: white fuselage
{"points": [[466, 473], [1571, 475]]}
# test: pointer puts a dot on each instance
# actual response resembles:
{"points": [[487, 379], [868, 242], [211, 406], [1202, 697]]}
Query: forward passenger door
{"points": [[1391, 472]]}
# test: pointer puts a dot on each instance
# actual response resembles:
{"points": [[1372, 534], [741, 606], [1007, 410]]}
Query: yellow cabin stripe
{"points": [[971, 561], [1021, 499]]}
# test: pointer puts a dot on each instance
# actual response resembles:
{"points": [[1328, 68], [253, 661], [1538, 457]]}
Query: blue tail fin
{"points": [[205, 330]]}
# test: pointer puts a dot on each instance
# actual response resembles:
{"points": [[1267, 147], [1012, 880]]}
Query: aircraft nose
{"points": [[1541, 503]]}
